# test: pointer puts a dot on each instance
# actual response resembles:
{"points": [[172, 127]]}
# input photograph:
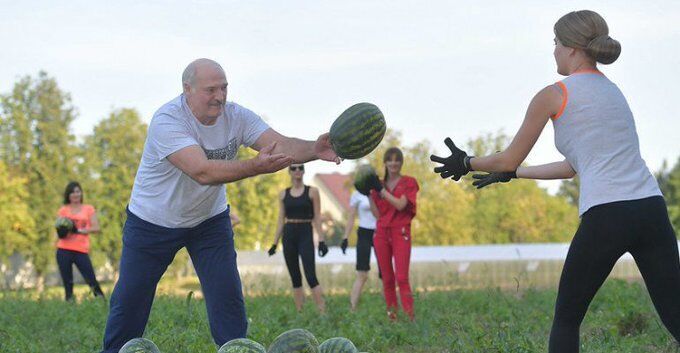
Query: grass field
{"points": [[621, 319]]}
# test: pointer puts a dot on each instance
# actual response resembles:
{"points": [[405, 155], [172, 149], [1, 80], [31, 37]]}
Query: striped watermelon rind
{"points": [[139, 345], [295, 341], [361, 177], [63, 222], [242, 345], [338, 345], [357, 131]]}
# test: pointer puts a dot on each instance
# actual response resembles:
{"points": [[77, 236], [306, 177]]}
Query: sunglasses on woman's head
{"points": [[296, 167]]}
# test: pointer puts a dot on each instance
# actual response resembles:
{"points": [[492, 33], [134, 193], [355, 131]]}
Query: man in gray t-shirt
{"points": [[179, 200]]}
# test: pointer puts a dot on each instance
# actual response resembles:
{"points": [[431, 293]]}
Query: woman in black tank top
{"points": [[298, 215]]}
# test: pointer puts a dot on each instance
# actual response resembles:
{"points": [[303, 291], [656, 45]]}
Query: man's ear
{"points": [[186, 87]]}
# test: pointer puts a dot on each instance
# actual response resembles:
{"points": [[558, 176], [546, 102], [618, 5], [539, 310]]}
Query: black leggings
{"points": [[364, 245], [65, 260], [606, 232], [299, 241]]}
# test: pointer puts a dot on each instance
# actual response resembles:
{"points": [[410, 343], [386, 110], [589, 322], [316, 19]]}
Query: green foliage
{"points": [[255, 201], [16, 224], [111, 157], [669, 181], [37, 145], [570, 190]]}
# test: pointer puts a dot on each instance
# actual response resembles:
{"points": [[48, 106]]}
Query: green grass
{"points": [[621, 319]]}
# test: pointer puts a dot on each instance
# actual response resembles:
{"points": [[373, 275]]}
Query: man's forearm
{"points": [[301, 151], [220, 172]]}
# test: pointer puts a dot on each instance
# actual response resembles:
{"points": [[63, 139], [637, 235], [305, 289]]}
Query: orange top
{"points": [[81, 219]]}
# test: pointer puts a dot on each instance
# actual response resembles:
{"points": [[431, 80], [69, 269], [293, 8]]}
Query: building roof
{"points": [[338, 186]]}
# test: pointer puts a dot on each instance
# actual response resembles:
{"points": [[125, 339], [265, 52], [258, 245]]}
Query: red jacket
{"points": [[389, 216]]}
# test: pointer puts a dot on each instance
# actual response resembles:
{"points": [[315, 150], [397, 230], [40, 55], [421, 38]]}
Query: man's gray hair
{"points": [[189, 74]]}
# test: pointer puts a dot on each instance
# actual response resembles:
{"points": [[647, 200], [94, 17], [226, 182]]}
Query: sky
{"points": [[435, 68]]}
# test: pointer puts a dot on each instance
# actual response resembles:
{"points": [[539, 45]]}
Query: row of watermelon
{"points": [[292, 341]]}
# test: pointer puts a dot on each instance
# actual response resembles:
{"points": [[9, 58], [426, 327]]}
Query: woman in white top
{"points": [[620, 204], [359, 205]]}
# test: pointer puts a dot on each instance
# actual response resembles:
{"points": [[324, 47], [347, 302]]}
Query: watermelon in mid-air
{"points": [[357, 131]]}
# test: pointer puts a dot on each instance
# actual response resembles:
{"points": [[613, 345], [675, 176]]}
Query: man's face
{"points": [[208, 94]]}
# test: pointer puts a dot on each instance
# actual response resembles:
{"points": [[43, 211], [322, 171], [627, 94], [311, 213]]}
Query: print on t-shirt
{"points": [[228, 152]]}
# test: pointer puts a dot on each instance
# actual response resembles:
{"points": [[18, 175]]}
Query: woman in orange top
{"points": [[75, 246]]}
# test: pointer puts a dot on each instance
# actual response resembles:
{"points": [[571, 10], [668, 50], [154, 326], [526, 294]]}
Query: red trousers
{"points": [[395, 243]]}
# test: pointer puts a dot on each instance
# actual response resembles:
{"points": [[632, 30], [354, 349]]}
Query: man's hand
{"points": [[454, 166], [272, 250], [323, 249], [343, 246], [324, 150], [268, 162]]}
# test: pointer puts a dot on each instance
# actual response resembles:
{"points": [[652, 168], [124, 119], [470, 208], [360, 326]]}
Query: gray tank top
{"points": [[595, 131]]}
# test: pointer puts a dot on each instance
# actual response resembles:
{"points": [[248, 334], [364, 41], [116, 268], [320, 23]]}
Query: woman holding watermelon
{"points": [[620, 204], [360, 206], [393, 202], [75, 246], [299, 215]]}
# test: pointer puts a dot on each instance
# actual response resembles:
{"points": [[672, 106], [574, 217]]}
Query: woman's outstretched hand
{"points": [[454, 166]]}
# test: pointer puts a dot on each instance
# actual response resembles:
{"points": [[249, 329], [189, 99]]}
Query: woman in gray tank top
{"points": [[620, 204]]}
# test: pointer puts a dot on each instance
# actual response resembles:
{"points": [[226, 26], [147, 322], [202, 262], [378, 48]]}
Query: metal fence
{"points": [[432, 268]]}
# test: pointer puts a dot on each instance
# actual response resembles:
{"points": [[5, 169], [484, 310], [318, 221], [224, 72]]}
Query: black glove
{"points": [[323, 249], [343, 246], [488, 179], [362, 190], [374, 183], [454, 166], [272, 250], [62, 232]]}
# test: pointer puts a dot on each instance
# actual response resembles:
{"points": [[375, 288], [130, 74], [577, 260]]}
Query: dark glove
{"points": [[374, 183], [62, 232], [362, 190], [454, 166], [488, 179], [272, 250], [74, 229], [323, 249], [343, 246]]}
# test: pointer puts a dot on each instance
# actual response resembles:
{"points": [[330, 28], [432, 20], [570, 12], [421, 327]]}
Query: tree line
{"points": [[39, 155]]}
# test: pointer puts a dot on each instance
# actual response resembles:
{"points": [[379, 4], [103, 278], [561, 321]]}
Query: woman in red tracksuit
{"points": [[394, 205]]}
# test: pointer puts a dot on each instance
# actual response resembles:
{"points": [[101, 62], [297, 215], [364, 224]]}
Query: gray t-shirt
{"points": [[596, 133], [162, 194]]}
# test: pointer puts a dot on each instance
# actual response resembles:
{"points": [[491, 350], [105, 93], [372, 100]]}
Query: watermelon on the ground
{"points": [[363, 172], [357, 131], [295, 341], [139, 345], [242, 345], [338, 345]]}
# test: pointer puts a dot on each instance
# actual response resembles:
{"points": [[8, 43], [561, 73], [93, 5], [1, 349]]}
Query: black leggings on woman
{"points": [[299, 241], [65, 260], [606, 232]]}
